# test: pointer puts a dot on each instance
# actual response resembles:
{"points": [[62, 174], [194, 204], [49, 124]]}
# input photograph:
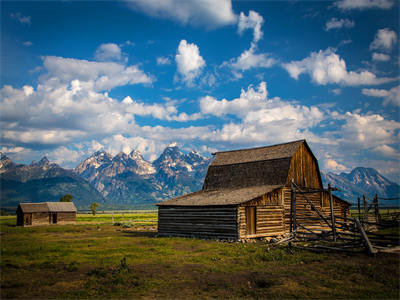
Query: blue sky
{"points": [[77, 77]]}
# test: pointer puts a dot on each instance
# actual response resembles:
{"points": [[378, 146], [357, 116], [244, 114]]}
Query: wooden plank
{"points": [[365, 239]]}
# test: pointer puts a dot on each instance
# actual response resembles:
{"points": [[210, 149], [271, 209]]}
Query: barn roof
{"points": [[220, 197], [286, 150], [248, 167], [48, 207]]}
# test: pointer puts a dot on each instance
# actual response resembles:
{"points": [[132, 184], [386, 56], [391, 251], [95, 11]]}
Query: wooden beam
{"points": [[332, 214], [367, 243]]}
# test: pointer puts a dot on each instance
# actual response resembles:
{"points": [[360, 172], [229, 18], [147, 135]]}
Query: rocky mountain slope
{"points": [[128, 179], [361, 181], [42, 181]]}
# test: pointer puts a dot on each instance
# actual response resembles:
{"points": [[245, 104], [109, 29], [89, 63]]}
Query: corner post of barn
{"points": [[292, 208], [359, 208], [332, 213]]}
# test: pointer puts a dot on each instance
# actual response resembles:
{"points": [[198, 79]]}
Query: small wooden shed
{"points": [[46, 213], [247, 194]]}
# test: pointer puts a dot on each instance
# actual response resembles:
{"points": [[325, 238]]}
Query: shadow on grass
{"points": [[148, 234]]}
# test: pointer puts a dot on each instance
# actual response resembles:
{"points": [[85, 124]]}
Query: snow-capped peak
{"points": [[172, 145]]}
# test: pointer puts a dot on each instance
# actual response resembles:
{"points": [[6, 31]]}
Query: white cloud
{"points": [[62, 155], [385, 39], [21, 18], [363, 4], [380, 57], [332, 165], [27, 43], [391, 96], [107, 52], [189, 61], [367, 131], [326, 67], [248, 59], [102, 75], [336, 91], [261, 119], [252, 21], [387, 151], [338, 23], [207, 13], [163, 61]]}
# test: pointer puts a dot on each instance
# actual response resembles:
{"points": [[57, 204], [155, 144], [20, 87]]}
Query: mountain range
{"points": [[130, 181]]}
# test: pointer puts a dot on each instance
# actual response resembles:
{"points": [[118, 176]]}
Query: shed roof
{"points": [[48, 207], [221, 197]]}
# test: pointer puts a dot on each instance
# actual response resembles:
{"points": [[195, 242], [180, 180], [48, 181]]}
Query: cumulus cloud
{"points": [[163, 61], [27, 43], [102, 75], [391, 96], [327, 67], [261, 119], [332, 165], [207, 13], [338, 23], [21, 18], [249, 59], [363, 4], [107, 52], [189, 61], [380, 57], [253, 21], [367, 131], [387, 151], [384, 40]]}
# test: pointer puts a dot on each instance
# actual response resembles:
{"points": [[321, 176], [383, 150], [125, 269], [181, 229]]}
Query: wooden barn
{"points": [[46, 213], [254, 193]]}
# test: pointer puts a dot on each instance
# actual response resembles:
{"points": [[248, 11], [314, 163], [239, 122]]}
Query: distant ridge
{"points": [[127, 180]]}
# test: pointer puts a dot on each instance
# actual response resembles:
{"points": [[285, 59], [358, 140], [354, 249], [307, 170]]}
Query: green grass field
{"points": [[94, 259]]}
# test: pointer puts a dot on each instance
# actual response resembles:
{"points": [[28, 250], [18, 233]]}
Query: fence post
{"points": [[377, 215], [332, 213], [365, 217], [359, 208], [292, 207], [113, 217]]}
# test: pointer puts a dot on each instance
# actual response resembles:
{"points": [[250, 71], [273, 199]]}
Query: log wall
{"points": [[39, 218], [66, 218], [202, 222], [304, 213], [269, 221], [45, 218]]}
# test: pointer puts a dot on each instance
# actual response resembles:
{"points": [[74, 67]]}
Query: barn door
{"points": [[54, 218], [251, 219], [28, 219]]}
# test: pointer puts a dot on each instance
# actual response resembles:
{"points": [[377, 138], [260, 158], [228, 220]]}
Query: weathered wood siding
{"points": [[40, 218], [304, 169], [269, 221], [45, 218], [66, 217], [306, 216], [203, 222]]}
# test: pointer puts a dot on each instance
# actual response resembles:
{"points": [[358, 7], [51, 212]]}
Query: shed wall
{"points": [[66, 217], [203, 221]]}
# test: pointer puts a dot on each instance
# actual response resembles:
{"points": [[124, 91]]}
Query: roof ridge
{"points": [[261, 147]]}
